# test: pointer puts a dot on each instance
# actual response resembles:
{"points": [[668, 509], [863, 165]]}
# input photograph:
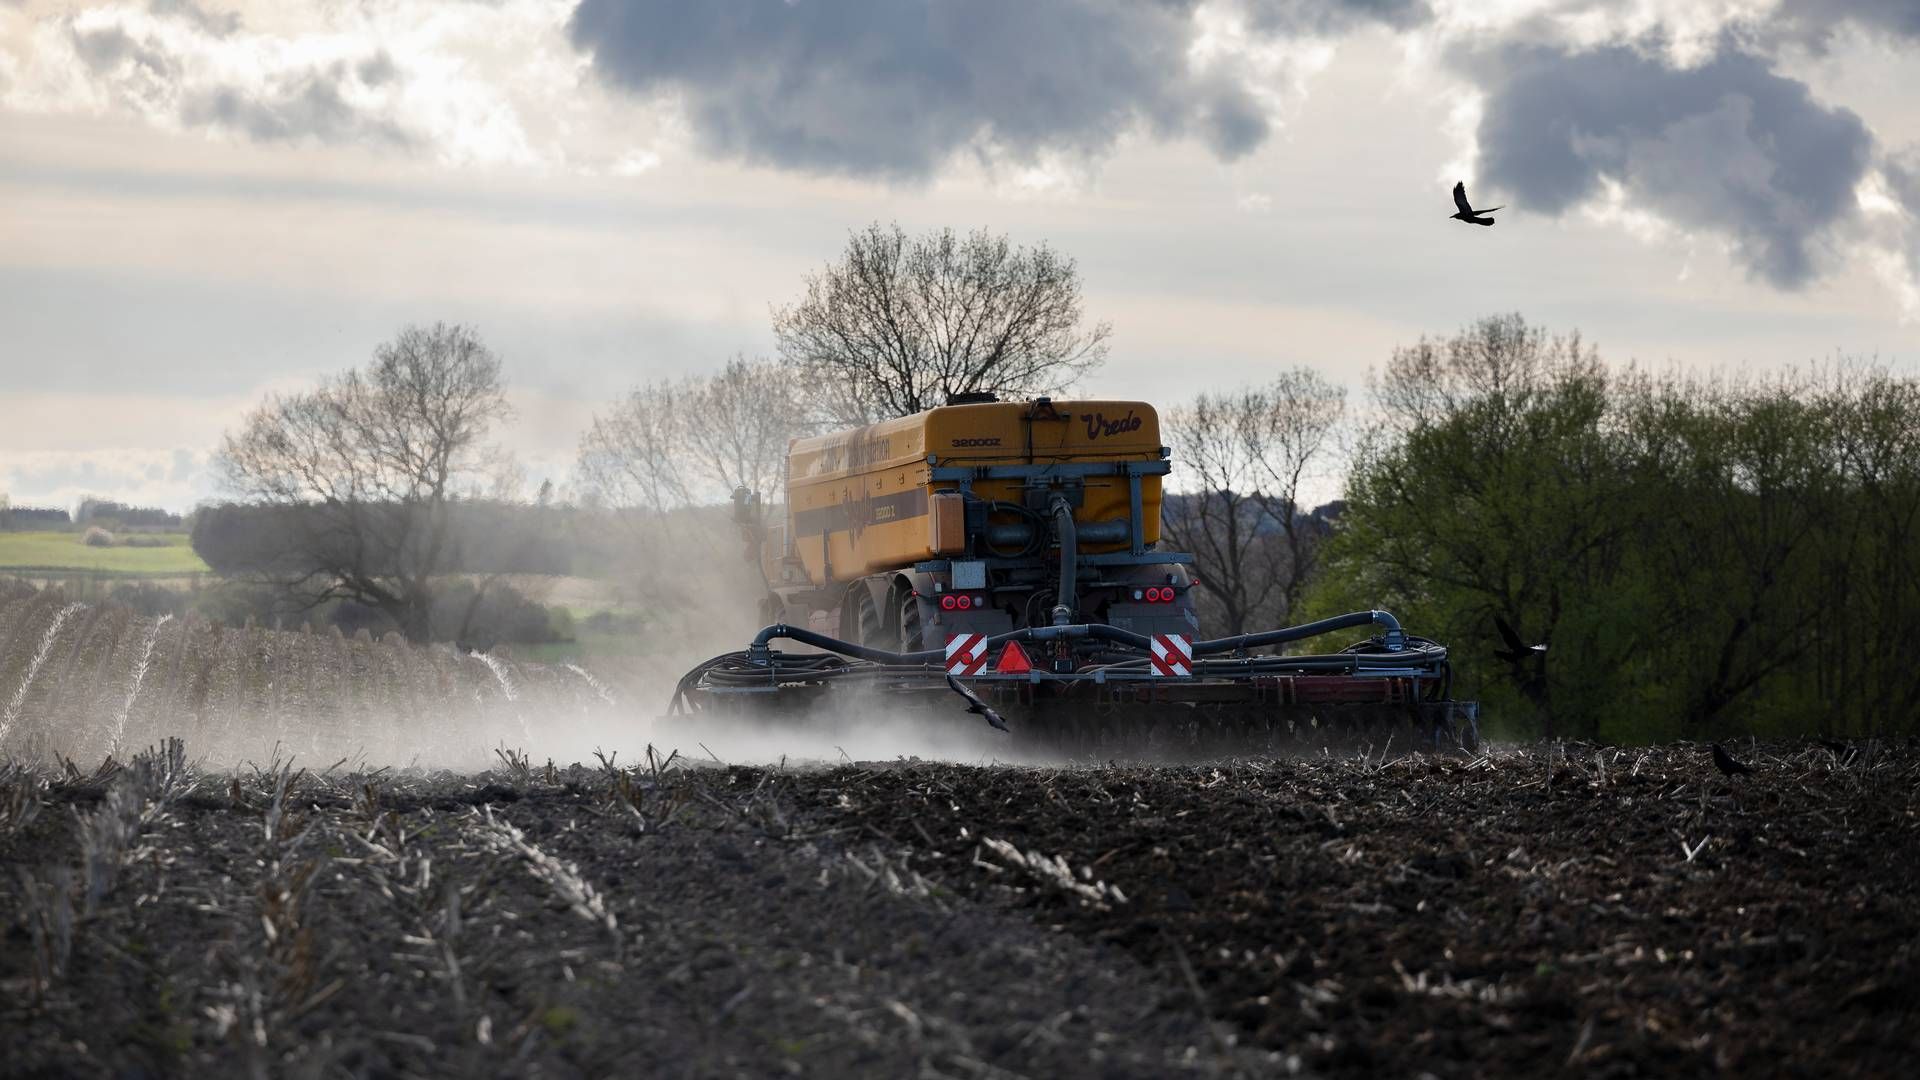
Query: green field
{"points": [[43, 552]]}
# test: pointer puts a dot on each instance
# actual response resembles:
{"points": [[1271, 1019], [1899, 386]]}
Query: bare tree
{"points": [[631, 457], [899, 324], [1219, 517], [1291, 426], [673, 444], [738, 425], [365, 466]]}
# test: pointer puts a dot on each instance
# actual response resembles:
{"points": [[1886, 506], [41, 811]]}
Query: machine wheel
{"points": [[869, 626], [911, 636]]}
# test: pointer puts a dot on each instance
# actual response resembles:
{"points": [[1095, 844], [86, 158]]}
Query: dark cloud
{"points": [[1727, 146], [1334, 16], [882, 87], [1817, 20]]}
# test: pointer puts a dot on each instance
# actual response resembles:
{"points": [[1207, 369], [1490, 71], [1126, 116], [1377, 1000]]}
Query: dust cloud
{"points": [[85, 681]]}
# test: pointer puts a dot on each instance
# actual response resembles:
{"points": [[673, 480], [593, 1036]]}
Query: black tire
{"points": [[911, 632], [868, 627]]}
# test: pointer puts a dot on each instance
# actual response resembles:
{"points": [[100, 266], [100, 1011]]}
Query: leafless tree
{"points": [[365, 466], [672, 444], [1246, 458], [631, 458], [1217, 515], [898, 324], [1291, 427], [739, 423]]}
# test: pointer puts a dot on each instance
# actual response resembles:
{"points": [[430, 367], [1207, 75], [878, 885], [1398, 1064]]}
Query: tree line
{"points": [[1698, 553], [103, 512], [1701, 554]]}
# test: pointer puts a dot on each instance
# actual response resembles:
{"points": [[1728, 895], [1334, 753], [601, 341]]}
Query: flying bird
{"points": [[1467, 212], [1726, 763], [1516, 650], [975, 705]]}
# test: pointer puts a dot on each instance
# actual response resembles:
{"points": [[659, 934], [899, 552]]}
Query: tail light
{"points": [[948, 603], [964, 602]]}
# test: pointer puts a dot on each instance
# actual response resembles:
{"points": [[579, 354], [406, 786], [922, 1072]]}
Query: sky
{"points": [[203, 202]]}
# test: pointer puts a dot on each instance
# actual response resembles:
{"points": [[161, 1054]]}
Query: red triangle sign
{"points": [[1013, 660]]}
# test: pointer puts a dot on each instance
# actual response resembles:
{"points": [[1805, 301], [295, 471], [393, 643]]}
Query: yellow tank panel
{"points": [[857, 500]]}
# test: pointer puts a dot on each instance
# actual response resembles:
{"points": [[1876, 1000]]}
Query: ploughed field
{"points": [[1615, 912]]}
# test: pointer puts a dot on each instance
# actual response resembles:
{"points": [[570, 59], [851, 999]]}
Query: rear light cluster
{"points": [[1157, 594], [961, 602]]}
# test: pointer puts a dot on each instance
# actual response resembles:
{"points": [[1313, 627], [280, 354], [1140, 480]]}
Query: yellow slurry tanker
{"points": [[1017, 546]]}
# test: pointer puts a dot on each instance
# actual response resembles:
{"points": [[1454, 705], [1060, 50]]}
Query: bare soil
{"points": [[1591, 911]]}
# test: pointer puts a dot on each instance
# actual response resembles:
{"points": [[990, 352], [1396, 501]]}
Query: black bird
{"points": [[1727, 764], [1516, 650], [1467, 212], [975, 705]]}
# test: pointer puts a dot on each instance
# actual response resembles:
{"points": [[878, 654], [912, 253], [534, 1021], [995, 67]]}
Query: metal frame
{"points": [[1137, 553]]}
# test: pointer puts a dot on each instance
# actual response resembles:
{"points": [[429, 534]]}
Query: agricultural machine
{"points": [[1014, 548]]}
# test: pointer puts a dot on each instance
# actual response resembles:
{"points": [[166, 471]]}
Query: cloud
{"points": [[1818, 20], [1726, 146], [314, 103], [882, 88], [465, 85], [1900, 175], [219, 25], [1323, 17], [181, 67]]}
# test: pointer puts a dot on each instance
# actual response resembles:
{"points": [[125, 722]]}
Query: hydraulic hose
{"points": [[1068, 597], [1031, 534], [1398, 647], [1396, 638]]}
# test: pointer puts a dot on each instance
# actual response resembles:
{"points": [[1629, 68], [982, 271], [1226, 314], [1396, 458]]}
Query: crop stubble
{"points": [[1591, 911]]}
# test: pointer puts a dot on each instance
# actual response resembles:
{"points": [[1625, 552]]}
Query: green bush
{"points": [[1702, 556]]}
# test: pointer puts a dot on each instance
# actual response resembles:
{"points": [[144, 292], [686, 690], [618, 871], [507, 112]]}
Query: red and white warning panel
{"points": [[1172, 655], [966, 654]]}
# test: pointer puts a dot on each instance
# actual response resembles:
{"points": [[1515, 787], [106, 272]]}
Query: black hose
{"points": [[1395, 637], [1036, 537], [1069, 596], [1392, 652]]}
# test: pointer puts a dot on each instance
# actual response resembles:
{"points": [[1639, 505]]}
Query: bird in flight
{"points": [[1467, 212], [975, 705], [1516, 649]]}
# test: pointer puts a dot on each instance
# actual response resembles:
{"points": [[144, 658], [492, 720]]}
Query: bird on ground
{"points": [[1467, 212], [1516, 649], [975, 705], [1726, 762]]}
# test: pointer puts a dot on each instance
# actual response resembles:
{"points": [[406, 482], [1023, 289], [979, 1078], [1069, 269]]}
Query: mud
{"points": [[1604, 912]]}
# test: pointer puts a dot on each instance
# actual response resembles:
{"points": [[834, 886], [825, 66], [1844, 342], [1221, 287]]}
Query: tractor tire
{"points": [[870, 628], [912, 634]]}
